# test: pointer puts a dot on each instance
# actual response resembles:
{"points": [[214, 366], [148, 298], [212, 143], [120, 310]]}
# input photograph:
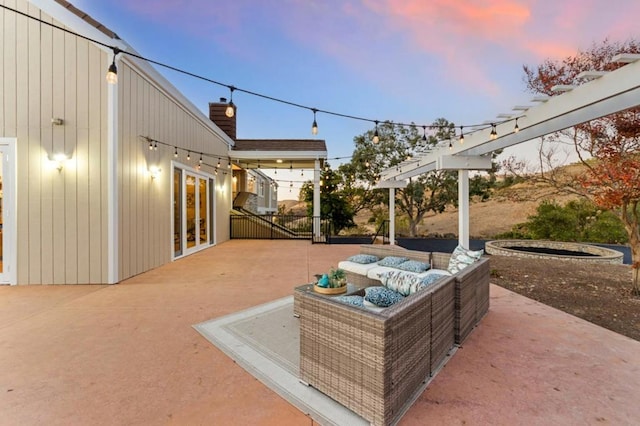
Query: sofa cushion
{"points": [[405, 283], [351, 300], [356, 268], [461, 258], [431, 278], [414, 266], [363, 258], [392, 261], [382, 296], [371, 307]]}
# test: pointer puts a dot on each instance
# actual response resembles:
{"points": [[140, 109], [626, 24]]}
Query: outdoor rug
{"points": [[264, 340]]}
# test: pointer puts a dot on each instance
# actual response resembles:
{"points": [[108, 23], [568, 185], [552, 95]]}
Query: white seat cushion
{"points": [[356, 268]]}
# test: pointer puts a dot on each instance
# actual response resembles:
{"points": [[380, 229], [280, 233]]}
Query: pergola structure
{"points": [[602, 94]]}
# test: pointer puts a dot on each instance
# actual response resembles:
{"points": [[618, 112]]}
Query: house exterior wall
{"points": [[47, 74], [146, 110], [62, 216]]}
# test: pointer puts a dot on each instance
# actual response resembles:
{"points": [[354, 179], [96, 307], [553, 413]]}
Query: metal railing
{"points": [[271, 227]]}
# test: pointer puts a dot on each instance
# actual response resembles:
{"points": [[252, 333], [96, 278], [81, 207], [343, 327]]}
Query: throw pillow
{"points": [[404, 283], [430, 279], [461, 258], [392, 261], [414, 266], [363, 258], [382, 296], [351, 300]]}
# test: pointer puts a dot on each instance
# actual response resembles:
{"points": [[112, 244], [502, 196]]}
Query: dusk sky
{"points": [[400, 60]]}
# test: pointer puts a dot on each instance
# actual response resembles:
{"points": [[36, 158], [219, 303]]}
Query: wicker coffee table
{"points": [[308, 288]]}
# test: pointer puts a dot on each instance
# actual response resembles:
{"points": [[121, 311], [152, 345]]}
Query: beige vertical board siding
{"points": [[81, 159], [45, 75], [124, 91], [104, 170], [97, 208], [70, 173], [43, 242], [36, 157]]}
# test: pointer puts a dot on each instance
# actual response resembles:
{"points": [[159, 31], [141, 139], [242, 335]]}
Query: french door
{"points": [[8, 243], [193, 207]]}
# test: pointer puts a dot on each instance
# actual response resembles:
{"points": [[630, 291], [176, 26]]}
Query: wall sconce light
{"points": [[154, 171], [57, 121], [59, 160]]}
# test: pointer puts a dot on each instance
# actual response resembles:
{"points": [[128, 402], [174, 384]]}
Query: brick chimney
{"points": [[217, 115]]}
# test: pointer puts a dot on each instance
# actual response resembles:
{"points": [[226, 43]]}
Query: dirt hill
{"points": [[506, 208]]}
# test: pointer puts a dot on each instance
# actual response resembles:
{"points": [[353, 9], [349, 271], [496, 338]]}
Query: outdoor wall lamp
{"points": [[59, 159], [154, 172]]}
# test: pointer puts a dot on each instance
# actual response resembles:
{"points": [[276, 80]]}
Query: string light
{"points": [[516, 129], [218, 165], [155, 145], [376, 137], [112, 73], [150, 145], [229, 163], [450, 145], [200, 160], [424, 133], [175, 152], [231, 108], [314, 126], [461, 135], [188, 155], [112, 77], [494, 134]]}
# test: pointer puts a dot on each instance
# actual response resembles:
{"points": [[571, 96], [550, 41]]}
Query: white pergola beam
{"points": [[614, 92], [463, 162]]}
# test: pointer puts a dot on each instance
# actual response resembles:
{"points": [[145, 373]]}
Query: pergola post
{"points": [[463, 208], [316, 198], [392, 216]]}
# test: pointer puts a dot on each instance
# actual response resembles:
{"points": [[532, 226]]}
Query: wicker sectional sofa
{"points": [[377, 363]]}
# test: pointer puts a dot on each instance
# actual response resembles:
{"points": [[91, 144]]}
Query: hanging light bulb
{"points": [[366, 164], [376, 137], [302, 173], [258, 163], [218, 165], [424, 133], [494, 134], [175, 152], [516, 129], [200, 160], [450, 145], [112, 73], [231, 108], [290, 165], [150, 144], [188, 155], [461, 135], [314, 126], [155, 146], [229, 163], [275, 172]]}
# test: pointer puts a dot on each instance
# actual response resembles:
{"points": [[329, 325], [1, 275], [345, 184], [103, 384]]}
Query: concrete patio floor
{"points": [[127, 354]]}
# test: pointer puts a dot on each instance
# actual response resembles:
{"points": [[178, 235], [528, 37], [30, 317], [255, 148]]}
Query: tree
{"points": [[609, 147], [333, 205], [424, 193]]}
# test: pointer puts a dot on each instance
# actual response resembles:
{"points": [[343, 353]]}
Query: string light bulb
{"points": [[229, 163], [155, 145], [218, 165], [150, 145], [516, 129], [494, 134], [175, 152], [112, 73], [450, 145], [424, 133], [461, 135], [188, 155], [314, 126], [200, 160], [376, 136], [231, 108]]}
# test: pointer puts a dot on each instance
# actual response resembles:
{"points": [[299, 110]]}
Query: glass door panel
{"points": [[177, 212], [190, 213], [202, 210]]}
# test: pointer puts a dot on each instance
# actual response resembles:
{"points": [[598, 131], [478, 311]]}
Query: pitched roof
{"points": [[280, 145], [106, 31]]}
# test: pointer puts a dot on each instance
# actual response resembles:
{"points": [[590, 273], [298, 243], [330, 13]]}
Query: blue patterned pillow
{"points": [[392, 261], [414, 266], [431, 278], [382, 296], [461, 258], [351, 300], [404, 283], [363, 258]]}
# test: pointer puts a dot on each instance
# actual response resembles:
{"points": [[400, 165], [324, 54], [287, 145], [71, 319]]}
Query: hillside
{"points": [[506, 208]]}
